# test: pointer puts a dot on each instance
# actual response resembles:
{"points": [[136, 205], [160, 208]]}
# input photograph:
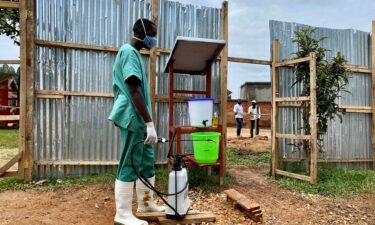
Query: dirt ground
{"points": [[258, 144], [94, 204]]}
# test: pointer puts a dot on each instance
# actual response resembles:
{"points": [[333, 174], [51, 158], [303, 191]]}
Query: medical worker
{"points": [[132, 114]]}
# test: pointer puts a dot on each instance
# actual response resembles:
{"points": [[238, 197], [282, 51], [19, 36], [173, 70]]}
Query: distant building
{"points": [[260, 91]]}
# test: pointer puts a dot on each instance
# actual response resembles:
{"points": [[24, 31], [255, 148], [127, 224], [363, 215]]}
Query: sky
{"points": [[248, 24]]}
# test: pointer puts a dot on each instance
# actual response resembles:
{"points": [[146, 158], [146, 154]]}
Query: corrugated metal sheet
{"points": [[350, 139], [76, 128]]}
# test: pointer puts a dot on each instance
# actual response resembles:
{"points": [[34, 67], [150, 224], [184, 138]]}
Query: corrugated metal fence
{"points": [[351, 139], [75, 128]]}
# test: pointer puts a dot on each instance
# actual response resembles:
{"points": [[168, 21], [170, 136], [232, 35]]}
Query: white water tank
{"points": [[200, 111]]}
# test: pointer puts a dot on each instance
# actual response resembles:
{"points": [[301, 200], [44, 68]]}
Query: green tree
{"points": [[9, 24], [331, 78]]}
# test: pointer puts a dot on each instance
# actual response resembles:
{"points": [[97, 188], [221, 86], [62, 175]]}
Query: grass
{"points": [[8, 138], [238, 157], [13, 183], [333, 182], [197, 180]]}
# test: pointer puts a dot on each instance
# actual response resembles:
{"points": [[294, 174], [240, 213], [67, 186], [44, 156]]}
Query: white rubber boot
{"points": [[124, 198], [146, 197]]}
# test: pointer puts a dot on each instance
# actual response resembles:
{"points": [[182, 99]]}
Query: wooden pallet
{"points": [[193, 217], [242, 203]]}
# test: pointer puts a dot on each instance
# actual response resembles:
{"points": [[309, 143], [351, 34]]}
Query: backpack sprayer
{"points": [[178, 203]]}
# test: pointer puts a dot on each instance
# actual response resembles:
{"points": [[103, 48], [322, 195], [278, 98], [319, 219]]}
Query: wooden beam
{"points": [[293, 136], [77, 46], [61, 94], [251, 61], [9, 174], [358, 68], [293, 99], [313, 120], [292, 61], [275, 94], [346, 108], [153, 57], [68, 45], [27, 52], [11, 162], [293, 175], [329, 160], [373, 91], [10, 61], [9, 117], [9, 5], [76, 163], [224, 87], [189, 219]]}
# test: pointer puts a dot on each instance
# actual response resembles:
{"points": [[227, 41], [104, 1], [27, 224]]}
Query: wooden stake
{"points": [[313, 119], [27, 51], [224, 86], [275, 94], [153, 51], [373, 91]]}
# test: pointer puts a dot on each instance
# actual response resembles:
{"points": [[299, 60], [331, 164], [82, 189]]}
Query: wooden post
{"points": [[153, 53], [373, 91], [224, 84], [27, 55], [275, 94], [313, 119]]}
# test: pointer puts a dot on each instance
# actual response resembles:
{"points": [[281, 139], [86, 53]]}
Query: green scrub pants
{"points": [[143, 157]]}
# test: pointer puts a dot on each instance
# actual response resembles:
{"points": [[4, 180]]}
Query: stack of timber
{"points": [[240, 202]]}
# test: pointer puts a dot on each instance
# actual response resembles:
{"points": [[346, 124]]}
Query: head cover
{"points": [[149, 41], [254, 101]]}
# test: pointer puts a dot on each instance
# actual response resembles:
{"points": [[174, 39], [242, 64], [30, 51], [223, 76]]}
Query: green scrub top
{"points": [[124, 113]]}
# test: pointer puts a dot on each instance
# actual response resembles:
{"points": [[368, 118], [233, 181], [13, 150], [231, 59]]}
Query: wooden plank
{"points": [[23, 87], [293, 136], [275, 94], [9, 117], [293, 99], [154, 216], [61, 94], [77, 163], [293, 175], [9, 174], [69, 45], [251, 61], [10, 163], [373, 90], [224, 88], [330, 160], [190, 219], [358, 68], [289, 105], [313, 121], [27, 52], [292, 61], [153, 51], [9, 5], [10, 61]]}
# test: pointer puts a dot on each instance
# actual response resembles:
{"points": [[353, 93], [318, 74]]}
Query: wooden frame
{"points": [[312, 178], [27, 56]]}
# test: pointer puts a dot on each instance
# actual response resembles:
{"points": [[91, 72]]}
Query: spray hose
{"points": [[145, 181]]}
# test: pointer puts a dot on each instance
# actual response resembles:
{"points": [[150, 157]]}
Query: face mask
{"points": [[149, 41]]}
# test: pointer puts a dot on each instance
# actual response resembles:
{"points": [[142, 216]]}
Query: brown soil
{"points": [[260, 143], [94, 204]]}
